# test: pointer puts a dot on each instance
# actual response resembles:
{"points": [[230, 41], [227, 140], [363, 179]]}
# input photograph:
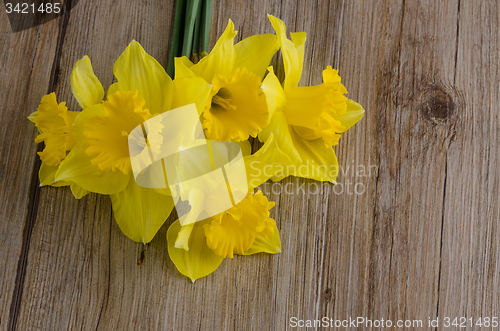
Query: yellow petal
{"points": [[351, 116], [86, 87], [78, 168], [281, 130], [140, 212], [292, 50], [47, 174], [307, 158], [259, 165], [275, 95], [255, 53], [182, 67], [318, 161], [77, 191], [199, 260], [188, 90], [246, 148], [299, 40], [270, 244], [137, 70], [113, 88], [221, 59], [196, 200], [182, 240]]}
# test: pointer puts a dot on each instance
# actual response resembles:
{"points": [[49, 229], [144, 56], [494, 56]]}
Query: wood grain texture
{"points": [[26, 63], [69, 274], [409, 232], [390, 247], [471, 240]]}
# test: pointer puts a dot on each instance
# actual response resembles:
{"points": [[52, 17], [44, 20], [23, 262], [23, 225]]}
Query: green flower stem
{"points": [[180, 14], [197, 31], [206, 20], [192, 8]]}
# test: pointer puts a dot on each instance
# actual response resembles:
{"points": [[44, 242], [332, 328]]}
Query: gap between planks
{"points": [[34, 192]]}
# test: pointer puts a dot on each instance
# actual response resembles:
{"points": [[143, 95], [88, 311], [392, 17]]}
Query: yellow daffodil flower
{"points": [[54, 122], [236, 107], [306, 121], [100, 162], [198, 249]]}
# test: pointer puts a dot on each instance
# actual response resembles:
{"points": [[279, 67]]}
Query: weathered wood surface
{"points": [[27, 62], [420, 241]]}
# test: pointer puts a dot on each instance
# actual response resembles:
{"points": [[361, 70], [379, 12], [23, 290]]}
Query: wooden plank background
{"points": [[421, 240]]}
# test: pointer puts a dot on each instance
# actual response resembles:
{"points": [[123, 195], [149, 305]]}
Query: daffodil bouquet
{"points": [[237, 96]]}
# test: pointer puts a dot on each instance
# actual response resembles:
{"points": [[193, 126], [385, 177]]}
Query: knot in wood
{"points": [[436, 104]]}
